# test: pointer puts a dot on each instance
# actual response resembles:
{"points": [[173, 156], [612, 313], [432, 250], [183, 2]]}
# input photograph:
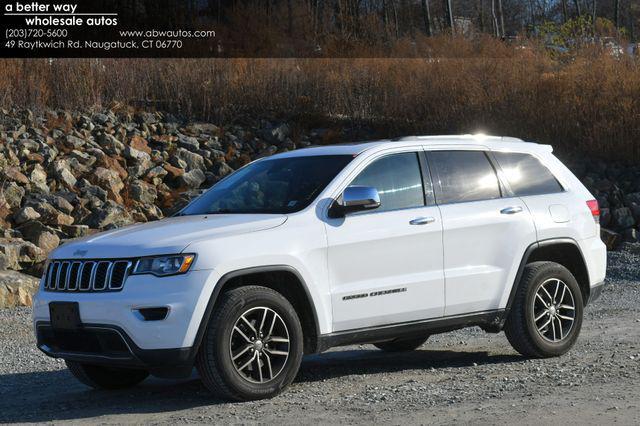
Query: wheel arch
{"points": [[564, 251], [284, 279]]}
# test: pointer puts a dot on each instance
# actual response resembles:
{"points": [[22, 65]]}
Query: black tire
{"points": [[214, 361], [401, 345], [521, 329], [100, 377]]}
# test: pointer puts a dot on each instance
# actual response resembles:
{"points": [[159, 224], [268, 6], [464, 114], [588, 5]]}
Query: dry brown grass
{"points": [[589, 103]]}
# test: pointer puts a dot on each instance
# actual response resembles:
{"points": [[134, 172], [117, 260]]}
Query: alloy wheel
{"points": [[554, 310], [259, 345]]}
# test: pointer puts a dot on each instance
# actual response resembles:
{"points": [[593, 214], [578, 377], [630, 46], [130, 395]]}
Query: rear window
{"points": [[463, 176], [526, 175]]}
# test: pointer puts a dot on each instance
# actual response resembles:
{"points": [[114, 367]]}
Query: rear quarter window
{"points": [[526, 174]]}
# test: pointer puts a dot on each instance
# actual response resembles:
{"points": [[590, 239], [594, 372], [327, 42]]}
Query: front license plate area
{"points": [[65, 315]]}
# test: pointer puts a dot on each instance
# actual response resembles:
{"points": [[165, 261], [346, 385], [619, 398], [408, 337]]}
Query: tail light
{"points": [[595, 210]]}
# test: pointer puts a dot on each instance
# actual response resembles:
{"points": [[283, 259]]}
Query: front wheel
{"points": [[546, 315], [253, 345], [100, 377]]}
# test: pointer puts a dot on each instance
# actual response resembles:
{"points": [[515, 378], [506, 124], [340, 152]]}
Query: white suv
{"points": [[384, 242]]}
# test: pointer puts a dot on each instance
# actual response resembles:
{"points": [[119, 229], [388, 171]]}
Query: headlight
{"points": [[162, 266]]}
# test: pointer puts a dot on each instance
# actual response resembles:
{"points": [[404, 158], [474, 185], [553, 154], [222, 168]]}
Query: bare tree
{"points": [[578, 10], [426, 17], [494, 19], [616, 13], [501, 16], [565, 12], [448, 14]]}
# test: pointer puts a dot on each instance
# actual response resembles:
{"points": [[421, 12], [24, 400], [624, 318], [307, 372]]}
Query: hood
{"points": [[167, 236]]}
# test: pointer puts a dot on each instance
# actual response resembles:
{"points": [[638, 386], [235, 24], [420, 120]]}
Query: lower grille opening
{"points": [[153, 314], [88, 341]]}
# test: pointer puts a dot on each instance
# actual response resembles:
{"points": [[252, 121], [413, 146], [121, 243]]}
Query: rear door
{"points": [[485, 231], [385, 265]]}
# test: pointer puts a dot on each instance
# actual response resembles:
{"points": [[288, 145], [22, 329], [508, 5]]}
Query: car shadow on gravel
{"points": [[56, 395], [47, 396], [349, 362]]}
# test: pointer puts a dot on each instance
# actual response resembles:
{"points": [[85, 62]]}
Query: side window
{"points": [[397, 178], [461, 176], [526, 175]]}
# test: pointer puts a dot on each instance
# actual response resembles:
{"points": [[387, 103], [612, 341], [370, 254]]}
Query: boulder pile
{"points": [[616, 186], [65, 175]]}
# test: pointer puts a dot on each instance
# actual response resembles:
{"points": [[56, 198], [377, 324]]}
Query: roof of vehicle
{"points": [[483, 141]]}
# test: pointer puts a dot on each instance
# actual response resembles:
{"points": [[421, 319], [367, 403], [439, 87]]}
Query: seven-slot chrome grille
{"points": [[87, 275]]}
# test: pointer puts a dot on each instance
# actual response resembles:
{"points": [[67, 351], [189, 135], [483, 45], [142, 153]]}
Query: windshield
{"points": [[283, 185]]}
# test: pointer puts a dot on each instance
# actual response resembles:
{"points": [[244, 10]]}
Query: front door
{"points": [[385, 265]]}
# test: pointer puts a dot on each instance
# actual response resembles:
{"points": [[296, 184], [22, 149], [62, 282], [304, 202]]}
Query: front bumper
{"points": [[186, 296], [103, 344], [595, 292]]}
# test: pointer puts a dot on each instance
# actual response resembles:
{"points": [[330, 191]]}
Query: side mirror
{"points": [[355, 199]]}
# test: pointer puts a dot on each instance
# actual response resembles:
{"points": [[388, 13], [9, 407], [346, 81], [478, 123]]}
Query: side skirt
{"points": [[490, 321]]}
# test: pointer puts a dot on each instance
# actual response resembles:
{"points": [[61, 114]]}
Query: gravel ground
{"points": [[462, 377]]}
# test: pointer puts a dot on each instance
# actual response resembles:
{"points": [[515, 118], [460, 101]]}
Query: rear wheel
{"points": [[402, 345], [253, 345], [546, 315], [100, 377]]}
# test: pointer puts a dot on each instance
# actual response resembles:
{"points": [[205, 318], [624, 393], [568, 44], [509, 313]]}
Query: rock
{"points": [[29, 145], [188, 142], [610, 238], [110, 181], [38, 178], [61, 170], [275, 134], [192, 160], [112, 214], [110, 144], [174, 172], [632, 198], [113, 163], [13, 195], [622, 218], [25, 215], [62, 201], [146, 118], [89, 190], [49, 214], [75, 231], [74, 142], [139, 157], [156, 174], [100, 118], [605, 217], [280, 132], [143, 192], [14, 174], [192, 179], [14, 252], [151, 212], [140, 144], [17, 289], [222, 169], [42, 236], [630, 235]]}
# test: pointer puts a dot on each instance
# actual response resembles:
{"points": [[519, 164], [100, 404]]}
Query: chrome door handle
{"points": [[422, 220], [511, 210]]}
